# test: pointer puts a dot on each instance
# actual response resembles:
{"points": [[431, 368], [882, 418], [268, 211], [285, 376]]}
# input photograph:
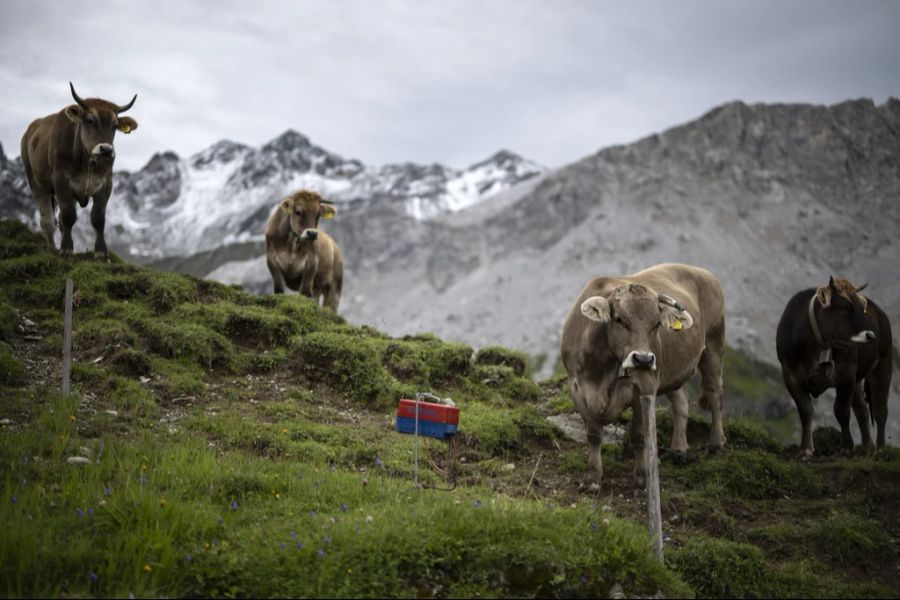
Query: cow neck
{"points": [[814, 323], [87, 165]]}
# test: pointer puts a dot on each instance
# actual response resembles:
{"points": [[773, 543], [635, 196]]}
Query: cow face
{"points": [[843, 318], [304, 209], [96, 122], [635, 316]]}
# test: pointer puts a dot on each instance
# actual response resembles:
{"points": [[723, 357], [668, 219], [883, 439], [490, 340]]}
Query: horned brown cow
{"points": [[68, 157], [299, 255], [645, 334]]}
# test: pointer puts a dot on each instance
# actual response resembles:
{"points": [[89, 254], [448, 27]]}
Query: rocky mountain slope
{"points": [[175, 206]]}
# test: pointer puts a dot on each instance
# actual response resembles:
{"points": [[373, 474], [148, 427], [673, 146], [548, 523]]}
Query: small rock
{"points": [[509, 467], [144, 379], [112, 413], [5, 421], [78, 460]]}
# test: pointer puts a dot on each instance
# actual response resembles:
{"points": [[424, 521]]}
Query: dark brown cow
{"points": [[68, 157], [301, 256], [645, 334], [834, 336]]}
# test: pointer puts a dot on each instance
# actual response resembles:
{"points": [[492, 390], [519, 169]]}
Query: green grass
{"points": [[223, 429]]}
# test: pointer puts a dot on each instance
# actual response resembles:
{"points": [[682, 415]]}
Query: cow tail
{"points": [[867, 393]]}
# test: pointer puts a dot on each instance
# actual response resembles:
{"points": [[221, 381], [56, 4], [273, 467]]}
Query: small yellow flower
{"points": [[72, 418], [284, 430], [349, 571], [147, 568], [162, 501], [277, 495]]}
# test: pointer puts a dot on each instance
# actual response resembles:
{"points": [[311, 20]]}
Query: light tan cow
{"points": [[645, 334], [299, 255]]}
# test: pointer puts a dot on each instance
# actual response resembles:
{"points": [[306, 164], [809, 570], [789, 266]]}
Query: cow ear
{"points": [[286, 205], [824, 295], [74, 113], [127, 124], [674, 319], [596, 308], [327, 211]]}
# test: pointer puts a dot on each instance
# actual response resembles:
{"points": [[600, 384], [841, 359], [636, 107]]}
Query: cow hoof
{"points": [[714, 449], [804, 454]]}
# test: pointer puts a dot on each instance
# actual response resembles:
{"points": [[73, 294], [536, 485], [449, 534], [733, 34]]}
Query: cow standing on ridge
{"points": [[834, 336], [645, 334], [68, 157], [301, 256]]}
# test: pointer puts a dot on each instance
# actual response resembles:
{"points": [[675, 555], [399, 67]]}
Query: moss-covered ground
{"points": [[218, 443]]}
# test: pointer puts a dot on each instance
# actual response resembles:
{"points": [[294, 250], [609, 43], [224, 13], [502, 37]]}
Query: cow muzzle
{"points": [[104, 151], [309, 235], [642, 361], [864, 337]]}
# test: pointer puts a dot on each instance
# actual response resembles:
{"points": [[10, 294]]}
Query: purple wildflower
{"points": [[188, 557], [327, 540], [593, 527], [143, 479], [79, 512], [14, 499], [584, 579], [378, 462], [234, 505], [344, 507], [107, 491], [93, 577], [476, 503], [321, 552], [281, 545], [312, 513], [294, 535], [299, 545]]}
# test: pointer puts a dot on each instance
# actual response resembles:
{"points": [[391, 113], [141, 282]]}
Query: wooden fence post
{"points": [[651, 464], [67, 339]]}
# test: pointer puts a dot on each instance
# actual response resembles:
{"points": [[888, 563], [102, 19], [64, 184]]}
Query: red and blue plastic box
{"points": [[435, 420]]}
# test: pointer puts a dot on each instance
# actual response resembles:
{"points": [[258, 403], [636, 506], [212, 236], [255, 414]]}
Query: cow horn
{"points": [[862, 287], [121, 109], [78, 99], [670, 301]]}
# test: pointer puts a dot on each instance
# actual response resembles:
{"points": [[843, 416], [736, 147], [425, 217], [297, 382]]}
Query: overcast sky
{"points": [[427, 81]]}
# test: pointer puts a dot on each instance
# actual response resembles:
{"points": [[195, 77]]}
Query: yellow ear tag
{"points": [[329, 215], [677, 325], [126, 129]]}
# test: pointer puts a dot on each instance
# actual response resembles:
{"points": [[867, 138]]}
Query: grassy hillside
{"points": [[219, 443]]}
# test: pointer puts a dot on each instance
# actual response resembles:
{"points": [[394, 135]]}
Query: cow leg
{"points": [[309, 278], [843, 399], [594, 430], [98, 221], [332, 297], [67, 218], [277, 275], [805, 409], [711, 392], [862, 417], [44, 201], [879, 381], [595, 441], [678, 401]]}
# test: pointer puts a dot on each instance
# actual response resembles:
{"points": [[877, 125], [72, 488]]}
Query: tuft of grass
{"points": [[12, 371], [498, 355], [754, 475], [717, 568]]}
